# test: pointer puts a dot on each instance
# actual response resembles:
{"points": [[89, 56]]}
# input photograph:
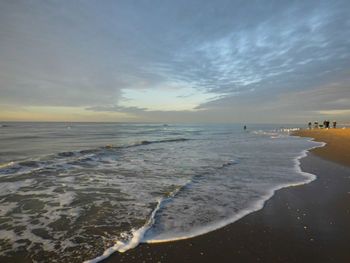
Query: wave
{"points": [[15, 137], [276, 133], [139, 234], [309, 177], [145, 142], [62, 158], [5, 165], [229, 163], [163, 141]]}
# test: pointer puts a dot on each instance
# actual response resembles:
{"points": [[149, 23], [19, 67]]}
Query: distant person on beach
{"points": [[245, 127], [310, 125], [316, 124], [334, 124]]}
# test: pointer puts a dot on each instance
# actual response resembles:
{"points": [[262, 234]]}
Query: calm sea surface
{"points": [[70, 191]]}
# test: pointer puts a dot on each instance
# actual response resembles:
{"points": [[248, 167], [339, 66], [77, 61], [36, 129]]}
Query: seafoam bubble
{"points": [[66, 198], [13, 187]]}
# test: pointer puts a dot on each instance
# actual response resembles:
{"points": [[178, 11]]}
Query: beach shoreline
{"points": [[297, 224], [337, 143]]}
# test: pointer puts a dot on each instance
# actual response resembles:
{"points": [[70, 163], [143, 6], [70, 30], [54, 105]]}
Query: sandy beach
{"points": [[338, 143], [306, 223]]}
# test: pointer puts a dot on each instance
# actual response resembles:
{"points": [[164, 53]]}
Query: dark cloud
{"points": [[249, 54]]}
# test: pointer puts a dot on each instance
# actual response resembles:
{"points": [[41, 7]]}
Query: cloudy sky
{"points": [[175, 61]]}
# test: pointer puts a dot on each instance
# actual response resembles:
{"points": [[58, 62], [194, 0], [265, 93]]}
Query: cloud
{"points": [[242, 55], [116, 108]]}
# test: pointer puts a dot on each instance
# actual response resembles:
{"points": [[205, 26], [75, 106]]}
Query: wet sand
{"points": [[338, 143], [306, 223]]}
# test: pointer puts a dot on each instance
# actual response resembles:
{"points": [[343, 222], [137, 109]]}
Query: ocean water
{"points": [[78, 192]]}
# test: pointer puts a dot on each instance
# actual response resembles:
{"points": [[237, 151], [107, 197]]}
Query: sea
{"points": [[77, 192]]}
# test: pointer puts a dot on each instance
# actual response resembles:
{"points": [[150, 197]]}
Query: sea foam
{"points": [[138, 235], [147, 185]]}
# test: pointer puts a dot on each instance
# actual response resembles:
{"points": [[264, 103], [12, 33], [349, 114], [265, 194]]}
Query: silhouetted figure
{"points": [[310, 125], [327, 124], [245, 127], [334, 124]]}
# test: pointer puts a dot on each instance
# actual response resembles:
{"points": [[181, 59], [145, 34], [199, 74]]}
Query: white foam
{"points": [[278, 133], [12, 187], [6, 208], [137, 236], [12, 237], [8, 235], [57, 192], [66, 198], [290, 129], [4, 165], [255, 207]]}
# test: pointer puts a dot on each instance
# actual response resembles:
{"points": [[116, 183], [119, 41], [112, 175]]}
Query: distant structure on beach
{"points": [[325, 125]]}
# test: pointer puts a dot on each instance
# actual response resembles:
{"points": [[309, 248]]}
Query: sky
{"points": [[273, 61]]}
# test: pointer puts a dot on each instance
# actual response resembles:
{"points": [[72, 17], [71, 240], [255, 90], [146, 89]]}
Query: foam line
{"points": [[257, 206], [132, 243], [139, 233]]}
